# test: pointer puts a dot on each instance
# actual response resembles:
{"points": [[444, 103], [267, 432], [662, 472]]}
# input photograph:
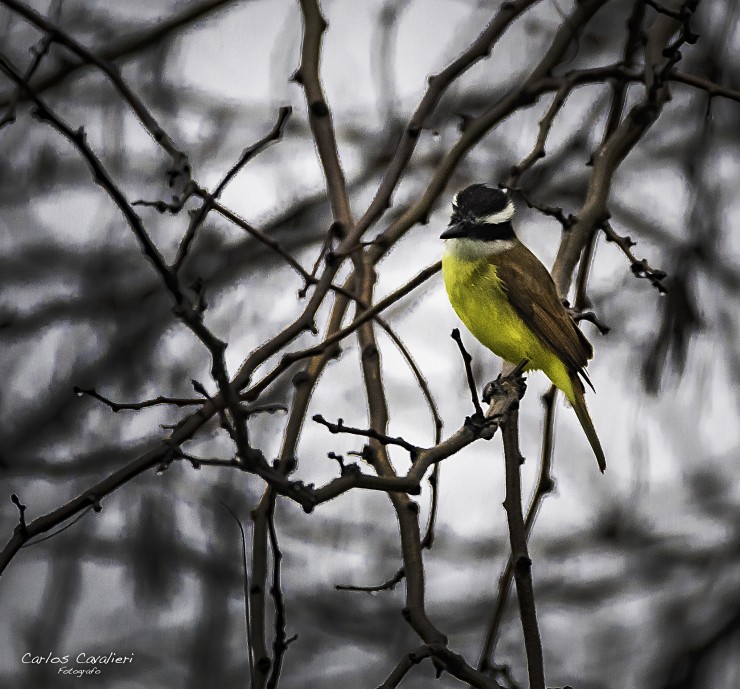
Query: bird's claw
{"points": [[498, 387], [493, 388]]}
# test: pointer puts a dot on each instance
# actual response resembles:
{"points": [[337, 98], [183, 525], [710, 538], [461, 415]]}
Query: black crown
{"points": [[479, 200]]}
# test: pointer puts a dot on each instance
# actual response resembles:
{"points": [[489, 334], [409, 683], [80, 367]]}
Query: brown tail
{"points": [[579, 405]]}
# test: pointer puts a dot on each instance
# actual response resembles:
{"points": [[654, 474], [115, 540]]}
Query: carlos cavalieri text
{"points": [[81, 658]]}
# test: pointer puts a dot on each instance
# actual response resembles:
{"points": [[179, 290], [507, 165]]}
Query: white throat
{"points": [[471, 249]]}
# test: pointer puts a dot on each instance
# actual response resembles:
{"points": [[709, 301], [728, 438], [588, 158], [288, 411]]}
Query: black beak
{"points": [[456, 229]]}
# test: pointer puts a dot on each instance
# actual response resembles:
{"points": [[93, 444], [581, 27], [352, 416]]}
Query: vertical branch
{"points": [[304, 382], [280, 642], [407, 511], [545, 485], [262, 662], [616, 109], [323, 133], [319, 115], [520, 553]]}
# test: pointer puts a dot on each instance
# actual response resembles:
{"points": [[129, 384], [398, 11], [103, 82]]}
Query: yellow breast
{"points": [[477, 295]]}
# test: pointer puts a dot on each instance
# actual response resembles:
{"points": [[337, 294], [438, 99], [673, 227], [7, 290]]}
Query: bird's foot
{"points": [[493, 389], [501, 386]]}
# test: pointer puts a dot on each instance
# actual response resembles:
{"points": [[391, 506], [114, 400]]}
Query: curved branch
{"points": [[438, 84], [182, 166], [617, 146], [134, 42]]}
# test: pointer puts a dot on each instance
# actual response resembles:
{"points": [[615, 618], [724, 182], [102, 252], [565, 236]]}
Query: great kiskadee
{"points": [[508, 300]]}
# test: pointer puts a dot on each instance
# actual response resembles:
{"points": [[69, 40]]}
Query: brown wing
{"points": [[532, 293]]}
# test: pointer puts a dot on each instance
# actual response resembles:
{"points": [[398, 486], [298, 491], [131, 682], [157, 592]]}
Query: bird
{"points": [[508, 300]]}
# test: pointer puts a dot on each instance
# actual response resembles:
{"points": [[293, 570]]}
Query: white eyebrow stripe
{"points": [[499, 217]]}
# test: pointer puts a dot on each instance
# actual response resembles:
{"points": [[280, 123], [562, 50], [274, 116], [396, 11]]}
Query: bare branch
{"points": [[290, 358], [118, 406], [448, 661], [132, 43], [545, 125], [280, 641], [640, 267], [197, 218], [438, 85], [467, 359], [538, 82], [707, 85], [246, 585], [38, 51], [180, 160], [612, 152], [382, 438], [191, 316], [21, 514], [520, 554], [319, 115], [388, 585], [545, 486]]}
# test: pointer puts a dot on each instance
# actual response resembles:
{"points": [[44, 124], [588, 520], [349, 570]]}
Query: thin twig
{"points": [[118, 406], [197, 218], [428, 540], [446, 660], [712, 88], [246, 586], [38, 51], [640, 267], [198, 462], [21, 514], [591, 317], [467, 360], [290, 358], [545, 125], [388, 585], [180, 160], [382, 438], [134, 42]]}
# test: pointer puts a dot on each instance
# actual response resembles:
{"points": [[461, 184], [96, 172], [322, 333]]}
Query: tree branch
{"points": [[520, 554], [180, 160], [132, 43]]}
